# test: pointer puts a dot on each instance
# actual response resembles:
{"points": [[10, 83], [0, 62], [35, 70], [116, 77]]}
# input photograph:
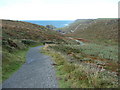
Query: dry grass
{"points": [[80, 75], [103, 31]]}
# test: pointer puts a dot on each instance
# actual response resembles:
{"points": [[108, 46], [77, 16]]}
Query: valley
{"points": [[90, 64], [85, 56]]}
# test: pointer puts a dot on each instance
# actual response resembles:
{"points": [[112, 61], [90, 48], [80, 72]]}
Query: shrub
{"points": [[28, 42]]}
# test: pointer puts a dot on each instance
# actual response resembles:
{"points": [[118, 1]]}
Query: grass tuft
{"points": [[80, 74]]}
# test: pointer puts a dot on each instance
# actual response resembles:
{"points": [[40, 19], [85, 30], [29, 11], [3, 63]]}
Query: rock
{"points": [[59, 78], [53, 64]]}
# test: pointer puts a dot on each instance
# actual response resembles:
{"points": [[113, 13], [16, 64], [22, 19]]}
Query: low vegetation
{"points": [[92, 65], [17, 37], [14, 55], [101, 31], [24, 30], [75, 69], [12, 62]]}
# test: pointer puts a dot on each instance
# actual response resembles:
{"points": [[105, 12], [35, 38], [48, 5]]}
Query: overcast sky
{"points": [[57, 9]]}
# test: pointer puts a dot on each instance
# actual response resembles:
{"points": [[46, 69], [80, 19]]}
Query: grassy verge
{"points": [[14, 55], [12, 62], [60, 61], [104, 56], [79, 74]]}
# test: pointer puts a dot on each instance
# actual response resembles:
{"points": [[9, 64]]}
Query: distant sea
{"points": [[56, 23]]}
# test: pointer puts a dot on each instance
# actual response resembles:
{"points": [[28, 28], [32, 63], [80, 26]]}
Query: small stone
{"points": [[54, 64], [59, 78]]}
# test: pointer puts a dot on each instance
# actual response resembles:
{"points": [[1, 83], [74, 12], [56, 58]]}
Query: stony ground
{"points": [[37, 72]]}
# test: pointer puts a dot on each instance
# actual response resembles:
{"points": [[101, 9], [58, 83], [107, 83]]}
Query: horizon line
{"points": [[54, 20]]}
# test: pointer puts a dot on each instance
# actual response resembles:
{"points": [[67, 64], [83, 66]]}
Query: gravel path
{"points": [[37, 72]]}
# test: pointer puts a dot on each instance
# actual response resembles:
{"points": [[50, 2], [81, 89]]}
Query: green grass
{"points": [[37, 44], [61, 77], [12, 62], [16, 37], [79, 74], [91, 53], [102, 31], [60, 61]]}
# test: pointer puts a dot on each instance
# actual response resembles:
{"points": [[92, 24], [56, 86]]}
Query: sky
{"points": [[58, 9]]}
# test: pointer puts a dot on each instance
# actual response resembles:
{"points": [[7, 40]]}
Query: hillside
{"points": [[93, 62], [79, 23], [25, 30], [17, 37], [96, 30]]}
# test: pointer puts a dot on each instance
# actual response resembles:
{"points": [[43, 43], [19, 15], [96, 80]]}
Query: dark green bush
{"points": [[29, 42]]}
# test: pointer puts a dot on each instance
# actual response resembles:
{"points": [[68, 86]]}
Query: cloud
{"points": [[46, 10]]}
